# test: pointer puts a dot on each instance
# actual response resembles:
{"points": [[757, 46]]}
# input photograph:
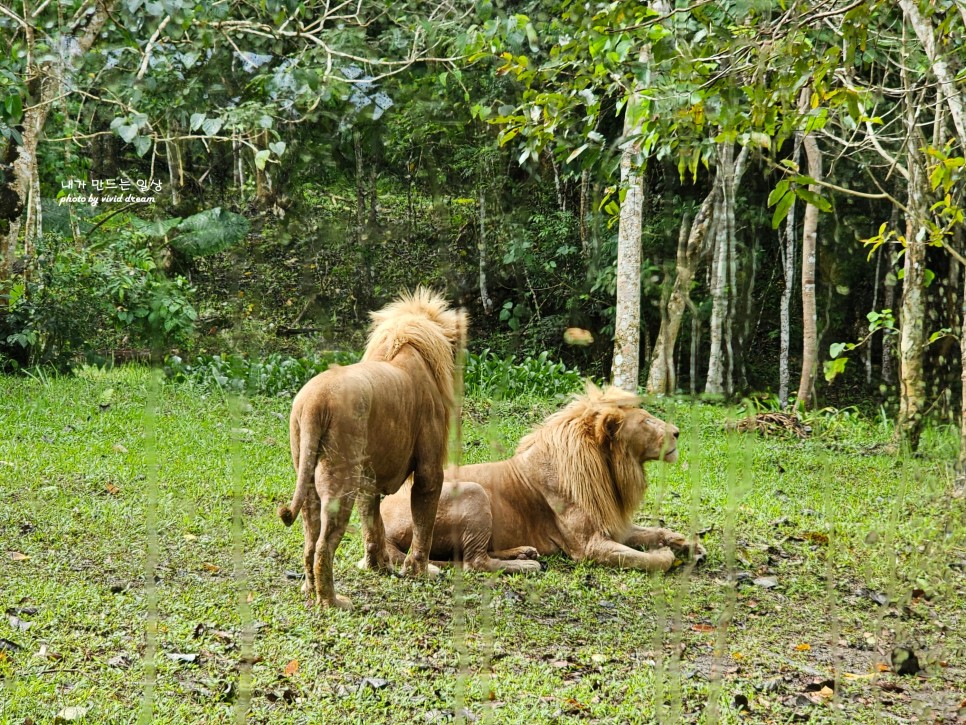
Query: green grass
{"points": [[832, 519]]}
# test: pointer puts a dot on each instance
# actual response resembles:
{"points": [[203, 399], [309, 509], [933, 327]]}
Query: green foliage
{"points": [[72, 301], [269, 375], [884, 321], [209, 232], [488, 376], [485, 375]]}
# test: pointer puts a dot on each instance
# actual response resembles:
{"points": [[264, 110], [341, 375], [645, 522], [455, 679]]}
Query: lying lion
{"points": [[360, 431], [573, 486]]}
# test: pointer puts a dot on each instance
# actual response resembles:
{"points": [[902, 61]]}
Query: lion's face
{"points": [[648, 438]]}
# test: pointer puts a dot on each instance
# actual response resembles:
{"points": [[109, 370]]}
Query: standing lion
{"points": [[359, 431], [574, 485]]}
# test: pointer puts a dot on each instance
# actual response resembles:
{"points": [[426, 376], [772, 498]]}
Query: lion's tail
{"points": [[309, 441]]}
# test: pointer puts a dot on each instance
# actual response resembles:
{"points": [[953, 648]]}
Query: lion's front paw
{"points": [[674, 540], [337, 602], [418, 567], [697, 552], [684, 547], [374, 563], [663, 559], [528, 552]]}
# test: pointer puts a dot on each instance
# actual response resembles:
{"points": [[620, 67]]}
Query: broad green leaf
{"points": [[781, 209], [781, 188], [210, 232], [833, 368], [127, 132], [261, 158], [211, 126], [142, 144], [14, 107], [155, 227], [810, 197], [577, 152], [196, 120], [277, 147]]}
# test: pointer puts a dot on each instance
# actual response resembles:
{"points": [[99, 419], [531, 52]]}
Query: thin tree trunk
{"points": [[944, 74], [719, 382], [961, 464], [627, 321], [660, 379], [558, 185], [912, 331], [867, 353], [172, 171], [788, 267], [749, 312], [373, 195], [695, 347], [484, 294], [584, 204], [809, 251], [263, 177], [51, 78], [889, 282], [360, 184]]}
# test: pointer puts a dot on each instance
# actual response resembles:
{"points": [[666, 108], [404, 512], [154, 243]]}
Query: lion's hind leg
{"points": [[311, 528], [473, 519], [336, 490], [518, 552], [423, 502], [377, 556]]}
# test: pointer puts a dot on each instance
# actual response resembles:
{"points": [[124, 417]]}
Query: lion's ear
{"points": [[608, 425]]}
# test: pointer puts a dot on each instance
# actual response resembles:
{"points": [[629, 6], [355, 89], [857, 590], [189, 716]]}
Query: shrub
{"points": [[485, 375], [489, 376], [271, 375], [73, 300]]}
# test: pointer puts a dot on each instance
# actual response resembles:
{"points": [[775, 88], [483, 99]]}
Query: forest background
{"points": [[267, 174]]}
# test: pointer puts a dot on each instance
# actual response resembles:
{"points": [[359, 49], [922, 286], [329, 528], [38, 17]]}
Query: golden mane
{"points": [[424, 320], [591, 462]]}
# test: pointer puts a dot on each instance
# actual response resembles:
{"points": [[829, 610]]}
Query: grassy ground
{"points": [[854, 551]]}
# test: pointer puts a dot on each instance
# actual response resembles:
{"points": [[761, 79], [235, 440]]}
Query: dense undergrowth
{"points": [[485, 375]]}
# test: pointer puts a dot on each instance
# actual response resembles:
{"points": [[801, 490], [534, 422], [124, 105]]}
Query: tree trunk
{"points": [[51, 77], [584, 204], [718, 382], [809, 250], [360, 184], [912, 330], [170, 152], [961, 465], [749, 312], [484, 293], [660, 379], [695, 347], [263, 176], [627, 321], [867, 352], [373, 195], [889, 281], [947, 77], [558, 184], [788, 268]]}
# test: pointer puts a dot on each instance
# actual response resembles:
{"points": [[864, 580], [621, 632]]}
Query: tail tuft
{"points": [[286, 515]]}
